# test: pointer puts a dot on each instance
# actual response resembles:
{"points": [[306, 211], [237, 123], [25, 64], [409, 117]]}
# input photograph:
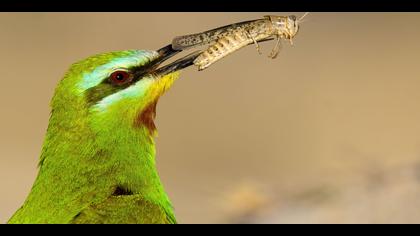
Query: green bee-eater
{"points": [[98, 159]]}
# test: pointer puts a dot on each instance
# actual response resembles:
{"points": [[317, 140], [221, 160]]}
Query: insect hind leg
{"points": [[274, 53]]}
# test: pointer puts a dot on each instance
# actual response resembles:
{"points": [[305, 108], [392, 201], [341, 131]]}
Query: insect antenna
{"points": [[301, 18]]}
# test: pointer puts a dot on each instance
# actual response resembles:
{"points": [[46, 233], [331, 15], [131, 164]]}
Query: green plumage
{"points": [[98, 159]]}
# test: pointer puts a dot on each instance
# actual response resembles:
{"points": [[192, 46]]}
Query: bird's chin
{"points": [[163, 83], [146, 115]]}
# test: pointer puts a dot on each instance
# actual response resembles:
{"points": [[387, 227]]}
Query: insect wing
{"points": [[206, 37]]}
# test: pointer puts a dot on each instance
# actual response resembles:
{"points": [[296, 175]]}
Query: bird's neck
{"points": [[86, 164]]}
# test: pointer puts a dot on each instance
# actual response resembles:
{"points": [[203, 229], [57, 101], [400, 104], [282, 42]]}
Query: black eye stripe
{"points": [[95, 94], [107, 87]]}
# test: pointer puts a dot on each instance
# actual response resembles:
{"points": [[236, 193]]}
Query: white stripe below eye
{"points": [[135, 91]]}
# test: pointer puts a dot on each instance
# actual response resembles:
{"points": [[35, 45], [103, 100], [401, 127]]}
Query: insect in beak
{"points": [[224, 41]]}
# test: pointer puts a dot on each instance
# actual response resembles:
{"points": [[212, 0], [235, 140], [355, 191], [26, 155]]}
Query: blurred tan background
{"points": [[329, 132]]}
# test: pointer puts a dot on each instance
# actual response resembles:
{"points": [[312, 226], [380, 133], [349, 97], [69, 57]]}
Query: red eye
{"points": [[120, 77]]}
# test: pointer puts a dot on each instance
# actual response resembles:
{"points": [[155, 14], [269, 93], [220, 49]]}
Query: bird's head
{"points": [[100, 133], [110, 91]]}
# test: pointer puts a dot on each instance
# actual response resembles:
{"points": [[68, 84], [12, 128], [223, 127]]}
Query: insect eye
{"points": [[120, 77]]}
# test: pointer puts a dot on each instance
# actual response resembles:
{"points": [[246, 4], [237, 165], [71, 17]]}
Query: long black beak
{"points": [[166, 53], [179, 64]]}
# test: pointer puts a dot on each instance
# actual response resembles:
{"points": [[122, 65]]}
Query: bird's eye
{"points": [[120, 77]]}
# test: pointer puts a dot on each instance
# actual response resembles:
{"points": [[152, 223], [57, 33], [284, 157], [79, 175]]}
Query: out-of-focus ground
{"points": [[388, 195], [328, 132]]}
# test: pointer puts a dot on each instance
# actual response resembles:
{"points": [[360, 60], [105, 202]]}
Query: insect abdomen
{"points": [[223, 47]]}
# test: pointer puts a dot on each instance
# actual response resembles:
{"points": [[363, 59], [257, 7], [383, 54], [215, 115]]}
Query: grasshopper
{"points": [[230, 38]]}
